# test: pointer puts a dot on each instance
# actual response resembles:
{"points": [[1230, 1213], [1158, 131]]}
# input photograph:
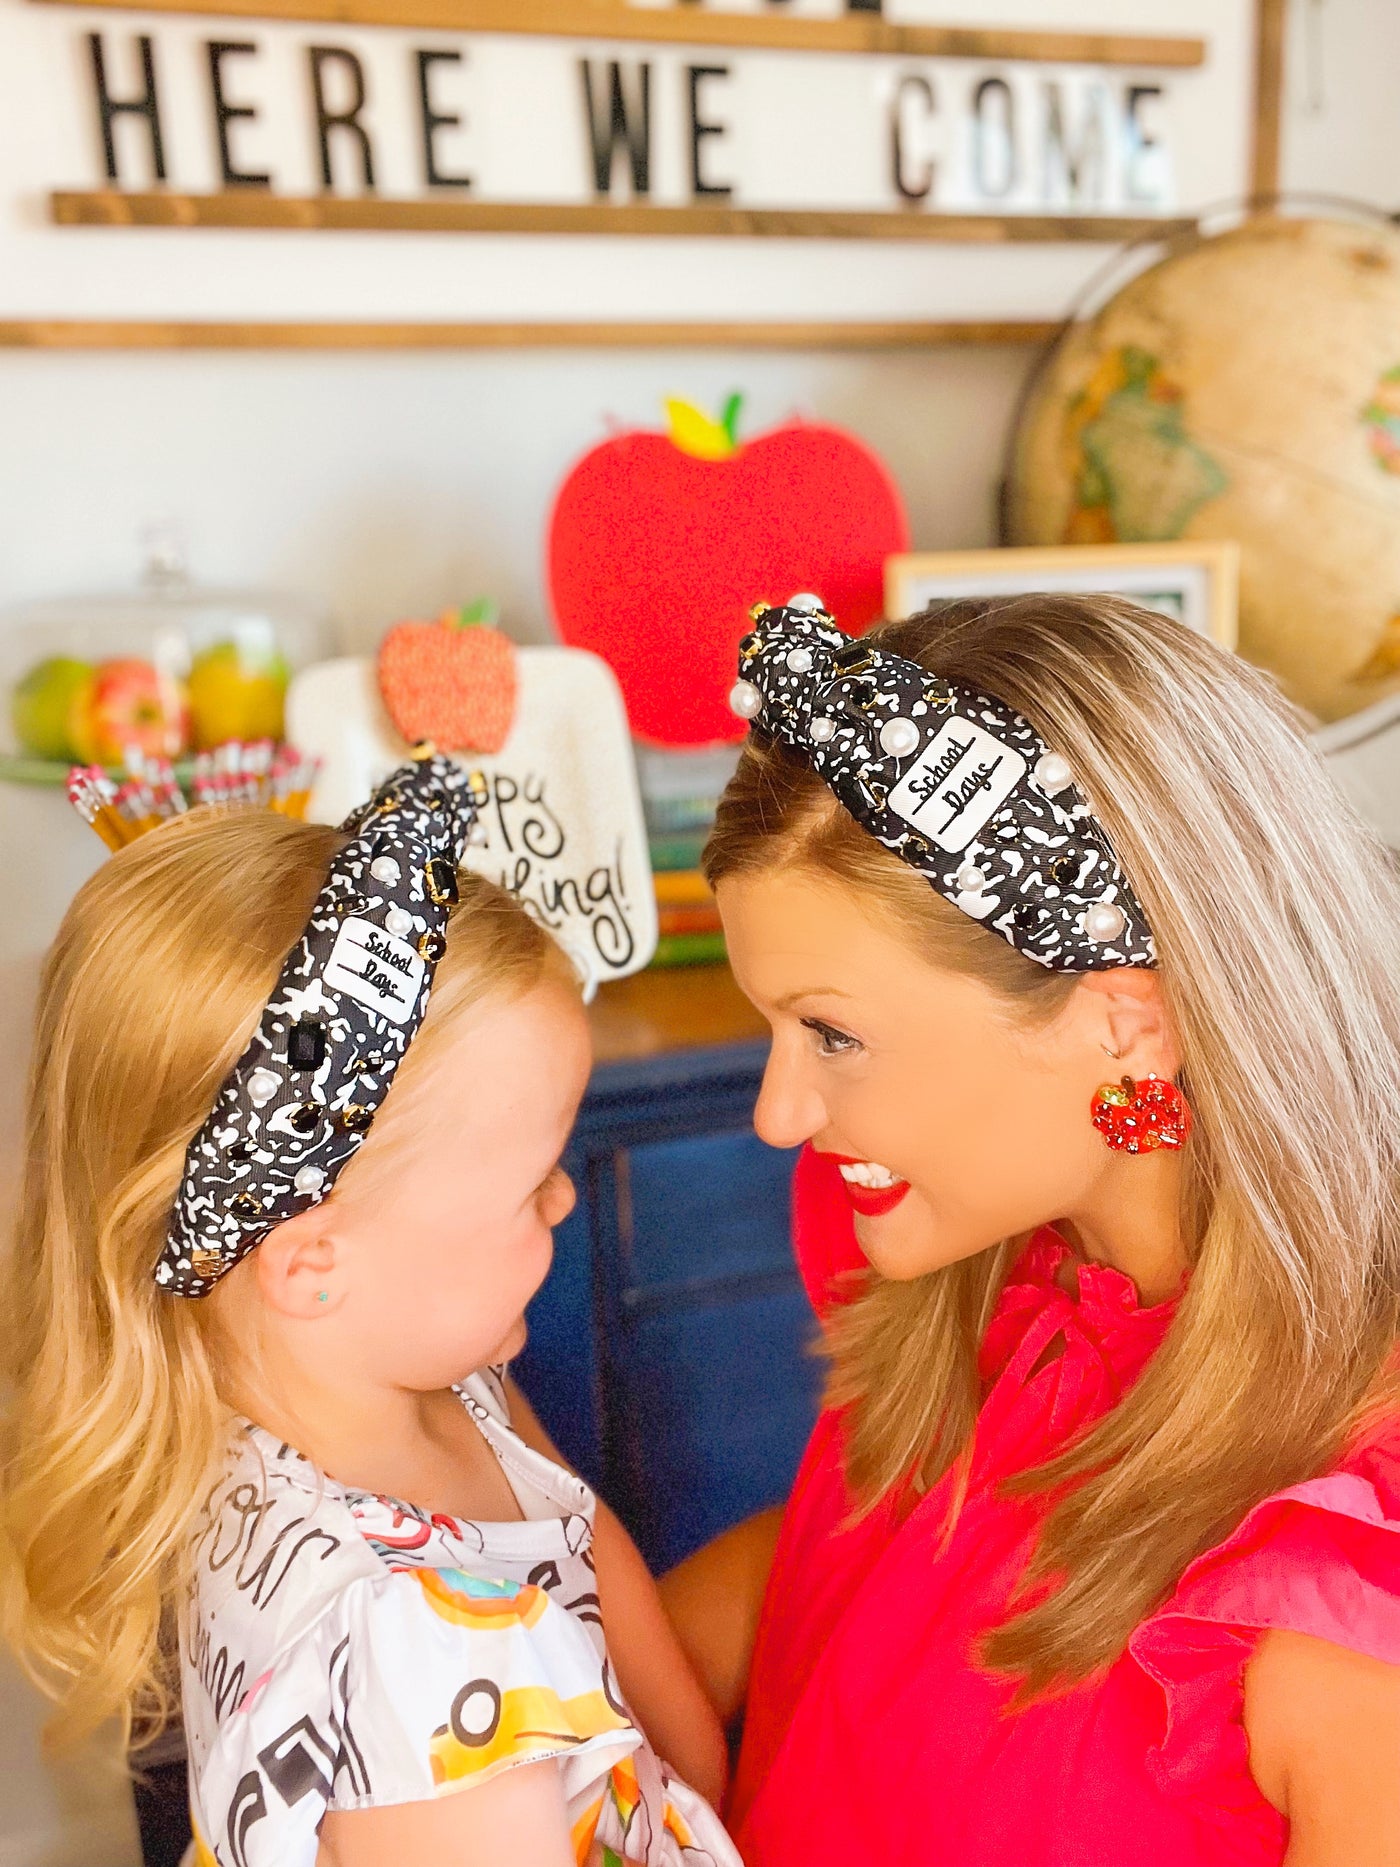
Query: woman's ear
{"points": [[1128, 1019], [301, 1268]]}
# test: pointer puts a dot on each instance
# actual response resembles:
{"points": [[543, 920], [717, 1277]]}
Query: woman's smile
{"points": [[872, 1189]]}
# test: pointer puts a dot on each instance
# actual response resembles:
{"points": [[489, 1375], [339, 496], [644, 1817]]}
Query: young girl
{"points": [[278, 1234], [1083, 987]]}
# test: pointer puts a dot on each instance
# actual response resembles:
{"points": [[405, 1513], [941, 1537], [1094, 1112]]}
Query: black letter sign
{"points": [[226, 113], [145, 106], [348, 119], [434, 120], [617, 124], [700, 129], [912, 190]]}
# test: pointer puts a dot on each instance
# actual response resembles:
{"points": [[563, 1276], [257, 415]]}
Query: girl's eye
{"points": [[833, 1043]]}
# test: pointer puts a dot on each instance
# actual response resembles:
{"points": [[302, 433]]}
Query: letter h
{"points": [[146, 106]]}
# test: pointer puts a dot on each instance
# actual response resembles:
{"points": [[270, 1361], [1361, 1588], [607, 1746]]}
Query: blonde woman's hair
{"points": [[150, 994], [1277, 921]]}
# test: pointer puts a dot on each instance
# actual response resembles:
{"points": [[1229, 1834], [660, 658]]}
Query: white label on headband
{"points": [[960, 779], [376, 969]]}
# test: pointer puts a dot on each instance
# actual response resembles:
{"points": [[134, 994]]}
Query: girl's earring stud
{"points": [[323, 1296]]}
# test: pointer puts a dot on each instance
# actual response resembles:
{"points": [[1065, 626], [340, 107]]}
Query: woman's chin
{"points": [[908, 1242]]}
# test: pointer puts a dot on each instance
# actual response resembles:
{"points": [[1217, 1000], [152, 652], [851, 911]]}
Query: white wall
{"points": [[393, 484], [388, 483]]}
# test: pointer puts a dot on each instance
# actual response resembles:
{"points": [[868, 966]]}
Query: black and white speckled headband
{"points": [[957, 784], [349, 1000]]}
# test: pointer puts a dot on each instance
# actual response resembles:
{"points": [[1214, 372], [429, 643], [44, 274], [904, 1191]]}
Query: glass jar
{"points": [[168, 670]]}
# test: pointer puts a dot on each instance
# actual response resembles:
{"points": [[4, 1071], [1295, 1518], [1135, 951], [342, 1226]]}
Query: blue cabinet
{"points": [[670, 1350]]}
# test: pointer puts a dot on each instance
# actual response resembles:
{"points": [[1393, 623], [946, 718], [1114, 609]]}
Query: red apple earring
{"points": [[1138, 1117]]}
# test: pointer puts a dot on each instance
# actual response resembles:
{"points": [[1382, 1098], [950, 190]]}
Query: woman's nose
{"points": [[789, 1110]]}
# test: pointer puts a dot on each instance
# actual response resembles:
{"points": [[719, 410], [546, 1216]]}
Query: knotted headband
{"points": [[350, 997], [957, 784]]}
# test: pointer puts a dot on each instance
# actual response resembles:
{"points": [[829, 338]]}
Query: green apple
{"points": [[48, 706], [236, 695]]}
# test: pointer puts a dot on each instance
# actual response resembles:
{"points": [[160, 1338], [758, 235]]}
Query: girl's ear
{"points": [[1127, 1017], [301, 1266]]}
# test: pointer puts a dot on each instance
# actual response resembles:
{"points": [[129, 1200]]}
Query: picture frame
{"points": [[1197, 581]]}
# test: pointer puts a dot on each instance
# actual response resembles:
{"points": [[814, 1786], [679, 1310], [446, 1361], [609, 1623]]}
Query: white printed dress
{"points": [[345, 1651]]}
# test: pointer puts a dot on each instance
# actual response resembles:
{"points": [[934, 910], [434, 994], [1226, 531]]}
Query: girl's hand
{"points": [[657, 1680], [518, 1817], [1324, 1737]]}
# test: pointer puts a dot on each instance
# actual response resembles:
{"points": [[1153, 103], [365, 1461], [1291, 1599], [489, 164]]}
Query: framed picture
{"points": [[1196, 583]]}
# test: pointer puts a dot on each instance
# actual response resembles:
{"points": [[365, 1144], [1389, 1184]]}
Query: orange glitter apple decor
{"points": [[454, 681], [660, 543]]}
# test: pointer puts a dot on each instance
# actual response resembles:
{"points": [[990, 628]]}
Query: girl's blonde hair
{"points": [[1277, 920], [150, 994]]}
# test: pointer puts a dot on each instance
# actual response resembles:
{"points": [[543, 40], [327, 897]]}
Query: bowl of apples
{"points": [[161, 674]]}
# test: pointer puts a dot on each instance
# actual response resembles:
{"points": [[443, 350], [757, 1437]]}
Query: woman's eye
{"points": [[832, 1043]]}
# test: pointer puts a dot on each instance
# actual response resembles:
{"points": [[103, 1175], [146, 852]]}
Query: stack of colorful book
{"points": [[680, 792], [686, 915]]}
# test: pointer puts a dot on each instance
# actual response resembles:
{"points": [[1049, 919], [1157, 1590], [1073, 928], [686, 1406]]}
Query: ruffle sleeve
{"points": [[455, 1679], [1322, 1558], [414, 1683]]}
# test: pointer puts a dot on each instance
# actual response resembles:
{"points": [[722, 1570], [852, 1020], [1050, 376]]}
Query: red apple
{"points": [[133, 704], [660, 543], [453, 681]]}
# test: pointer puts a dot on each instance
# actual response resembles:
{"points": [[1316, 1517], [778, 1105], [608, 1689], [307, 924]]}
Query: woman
{"points": [[1081, 977]]}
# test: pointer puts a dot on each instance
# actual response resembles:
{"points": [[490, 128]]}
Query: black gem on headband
{"points": [[957, 784], [350, 997]]}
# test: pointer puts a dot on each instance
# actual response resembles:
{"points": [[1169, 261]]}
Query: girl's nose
{"points": [[790, 1108], [559, 1198]]}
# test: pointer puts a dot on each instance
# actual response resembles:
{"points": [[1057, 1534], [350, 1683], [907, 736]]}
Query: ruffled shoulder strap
{"points": [[486, 1390], [1321, 1558]]}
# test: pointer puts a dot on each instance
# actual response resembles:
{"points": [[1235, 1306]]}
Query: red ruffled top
{"points": [[872, 1735]]}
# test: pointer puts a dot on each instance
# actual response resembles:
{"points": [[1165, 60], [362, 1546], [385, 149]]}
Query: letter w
{"points": [[618, 123]]}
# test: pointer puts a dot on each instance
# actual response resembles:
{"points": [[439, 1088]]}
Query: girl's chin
{"points": [[511, 1344]]}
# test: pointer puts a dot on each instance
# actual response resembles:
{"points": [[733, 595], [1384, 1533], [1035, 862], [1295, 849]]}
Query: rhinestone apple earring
{"points": [[1139, 1116]]}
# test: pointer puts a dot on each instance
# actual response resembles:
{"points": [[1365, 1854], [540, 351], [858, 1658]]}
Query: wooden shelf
{"points": [[606, 19], [260, 209], [673, 1008], [755, 334]]}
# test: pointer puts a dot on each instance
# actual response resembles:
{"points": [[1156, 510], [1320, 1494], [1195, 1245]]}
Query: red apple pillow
{"points": [[660, 543]]}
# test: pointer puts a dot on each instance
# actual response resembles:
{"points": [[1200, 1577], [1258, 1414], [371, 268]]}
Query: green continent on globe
{"points": [[1138, 475], [1381, 419]]}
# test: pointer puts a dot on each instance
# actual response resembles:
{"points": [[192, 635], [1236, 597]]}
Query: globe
{"points": [[1246, 387]]}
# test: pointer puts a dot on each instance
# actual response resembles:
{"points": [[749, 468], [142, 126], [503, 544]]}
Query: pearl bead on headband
{"points": [[957, 784]]}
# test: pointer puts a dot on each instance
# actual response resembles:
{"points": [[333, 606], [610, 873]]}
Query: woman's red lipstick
{"points": [[872, 1202]]}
